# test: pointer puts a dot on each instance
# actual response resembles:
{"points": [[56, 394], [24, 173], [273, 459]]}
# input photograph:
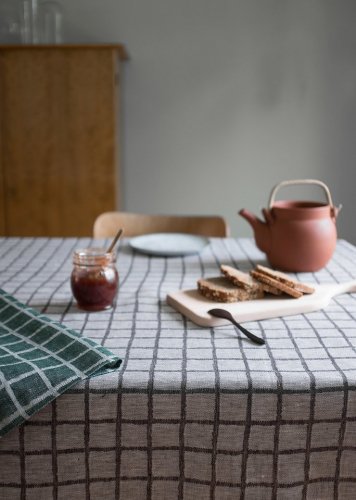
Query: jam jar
{"points": [[94, 279]]}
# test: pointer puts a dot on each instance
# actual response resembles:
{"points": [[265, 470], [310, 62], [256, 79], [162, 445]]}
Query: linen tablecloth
{"points": [[193, 413]]}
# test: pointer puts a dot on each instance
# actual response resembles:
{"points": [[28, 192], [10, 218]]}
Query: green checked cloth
{"points": [[39, 360]]}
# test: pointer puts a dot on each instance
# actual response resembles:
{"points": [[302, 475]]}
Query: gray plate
{"points": [[169, 244]]}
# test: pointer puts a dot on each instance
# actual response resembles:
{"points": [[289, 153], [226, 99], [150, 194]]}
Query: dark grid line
{"points": [[61, 283], [217, 402], [247, 424], [268, 423], [22, 462], [151, 385], [193, 449], [266, 484], [248, 418], [344, 418], [118, 430], [54, 450], [113, 309], [275, 480], [183, 403], [87, 439], [216, 420], [311, 419], [207, 390]]}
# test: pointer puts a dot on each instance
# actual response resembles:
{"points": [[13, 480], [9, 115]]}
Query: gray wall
{"points": [[222, 99]]}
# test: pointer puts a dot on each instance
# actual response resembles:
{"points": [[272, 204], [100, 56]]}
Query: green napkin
{"points": [[39, 360]]}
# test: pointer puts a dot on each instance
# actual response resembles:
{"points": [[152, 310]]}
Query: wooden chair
{"points": [[107, 224]]}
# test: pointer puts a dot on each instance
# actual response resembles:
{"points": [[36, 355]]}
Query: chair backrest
{"points": [[107, 224]]}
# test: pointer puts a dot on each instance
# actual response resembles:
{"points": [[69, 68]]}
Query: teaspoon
{"points": [[115, 240], [221, 313]]}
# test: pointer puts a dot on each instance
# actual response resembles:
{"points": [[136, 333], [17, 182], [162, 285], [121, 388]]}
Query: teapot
{"points": [[296, 236]]}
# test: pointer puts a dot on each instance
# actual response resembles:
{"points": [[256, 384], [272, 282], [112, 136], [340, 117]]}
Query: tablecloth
{"points": [[193, 413]]}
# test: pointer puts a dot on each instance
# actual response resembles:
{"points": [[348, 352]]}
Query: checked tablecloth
{"points": [[192, 413]]}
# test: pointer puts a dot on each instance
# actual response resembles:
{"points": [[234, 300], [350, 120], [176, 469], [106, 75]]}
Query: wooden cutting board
{"points": [[195, 307]]}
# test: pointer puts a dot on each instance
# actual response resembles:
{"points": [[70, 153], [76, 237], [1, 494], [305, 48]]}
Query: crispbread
{"points": [[246, 281], [264, 278], [284, 278], [239, 278], [271, 289], [220, 289]]}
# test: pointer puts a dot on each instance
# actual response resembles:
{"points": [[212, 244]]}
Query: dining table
{"points": [[193, 412]]}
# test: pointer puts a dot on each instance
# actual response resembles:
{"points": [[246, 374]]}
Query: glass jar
{"points": [[30, 21], [51, 22], [94, 279], [10, 22]]}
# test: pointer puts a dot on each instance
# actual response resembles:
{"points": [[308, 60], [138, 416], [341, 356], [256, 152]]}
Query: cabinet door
{"points": [[59, 148]]}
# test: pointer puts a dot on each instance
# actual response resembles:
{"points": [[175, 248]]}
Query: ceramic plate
{"points": [[169, 244]]}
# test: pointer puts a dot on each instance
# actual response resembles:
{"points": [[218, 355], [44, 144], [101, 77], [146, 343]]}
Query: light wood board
{"points": [[195, 307]]}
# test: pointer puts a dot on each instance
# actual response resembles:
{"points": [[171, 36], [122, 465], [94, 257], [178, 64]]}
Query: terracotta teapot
{"points": [[297, 236]]}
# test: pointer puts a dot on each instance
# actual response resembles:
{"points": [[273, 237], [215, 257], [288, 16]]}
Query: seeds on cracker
{"points": [[220, 289], [239, 278], [283, 287], [246, 281], [284, 278], [237, 285]]}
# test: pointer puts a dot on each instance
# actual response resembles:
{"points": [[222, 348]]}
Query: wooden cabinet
{"points": [[59, 138]]}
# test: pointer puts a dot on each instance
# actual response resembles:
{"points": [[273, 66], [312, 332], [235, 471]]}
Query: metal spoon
{"points": [[221, 313]]}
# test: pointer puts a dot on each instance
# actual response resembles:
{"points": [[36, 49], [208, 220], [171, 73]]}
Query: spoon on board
{"points": [[221, 313]]}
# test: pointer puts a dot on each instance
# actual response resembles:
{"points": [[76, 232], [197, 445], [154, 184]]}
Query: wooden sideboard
{"points": [[59, 137]]}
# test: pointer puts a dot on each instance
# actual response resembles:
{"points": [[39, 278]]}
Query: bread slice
{"points": [[246, 281], [283, 287], [239, 278], [220, 289], [284, 278]]}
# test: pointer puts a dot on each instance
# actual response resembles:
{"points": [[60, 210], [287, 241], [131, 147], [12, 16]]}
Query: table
{"points": [[194, 413]]}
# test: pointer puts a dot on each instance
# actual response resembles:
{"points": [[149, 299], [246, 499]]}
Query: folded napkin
{"points": [[39, 360]]}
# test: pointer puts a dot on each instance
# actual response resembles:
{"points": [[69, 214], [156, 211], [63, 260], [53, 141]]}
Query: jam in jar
{"points": [[94, 279]]}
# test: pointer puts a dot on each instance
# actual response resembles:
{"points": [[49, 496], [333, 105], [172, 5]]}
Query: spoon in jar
{"points": [[222, 313], [115, 240]]}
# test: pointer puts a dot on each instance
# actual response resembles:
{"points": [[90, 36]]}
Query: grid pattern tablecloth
{"points": [[193, 413]]}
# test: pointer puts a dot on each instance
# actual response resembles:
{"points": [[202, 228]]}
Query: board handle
{"points": [[347, 287]]}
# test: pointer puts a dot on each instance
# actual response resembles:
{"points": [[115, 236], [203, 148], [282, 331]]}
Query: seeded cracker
{"points": [[283, 287], [220, 289], [239, 278], [284, 278], [246, 281]]}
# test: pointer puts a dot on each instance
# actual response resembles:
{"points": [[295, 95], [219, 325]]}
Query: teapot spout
{"points": [[260, 229]]}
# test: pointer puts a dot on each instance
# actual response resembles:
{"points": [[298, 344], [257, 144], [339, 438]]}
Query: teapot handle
{"points": [[335, 210]]}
